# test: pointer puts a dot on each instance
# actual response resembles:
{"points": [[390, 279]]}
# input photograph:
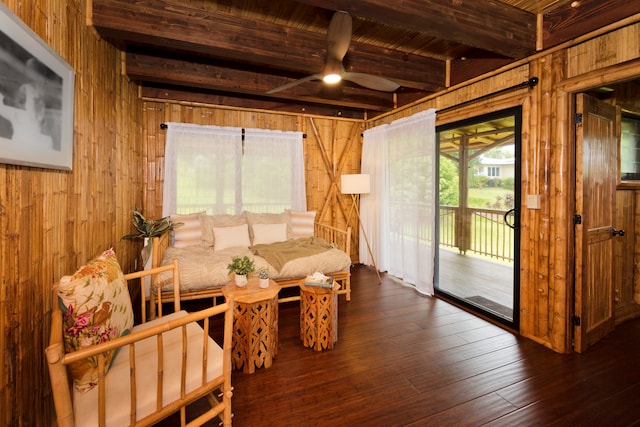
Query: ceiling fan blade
{"points": [[371, 82], [339, 35], [294, 83]]}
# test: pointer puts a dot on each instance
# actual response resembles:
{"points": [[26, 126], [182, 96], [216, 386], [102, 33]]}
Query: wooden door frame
{"points": [[562, 185]]}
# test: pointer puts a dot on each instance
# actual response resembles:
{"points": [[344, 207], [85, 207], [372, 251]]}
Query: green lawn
{"points": [[479, 197]]}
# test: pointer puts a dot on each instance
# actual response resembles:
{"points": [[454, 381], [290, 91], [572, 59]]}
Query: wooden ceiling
{"points": [[232, 52]]}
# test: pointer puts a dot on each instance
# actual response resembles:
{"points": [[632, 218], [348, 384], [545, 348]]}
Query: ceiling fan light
{"points": [[331, 78], [332, 71]]}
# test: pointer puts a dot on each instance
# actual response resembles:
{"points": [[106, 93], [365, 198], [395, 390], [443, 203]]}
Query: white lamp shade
{"points": [[355, 184]]}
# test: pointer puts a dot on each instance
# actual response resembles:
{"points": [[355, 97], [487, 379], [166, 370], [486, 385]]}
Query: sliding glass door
{"points": [[479, 196]]}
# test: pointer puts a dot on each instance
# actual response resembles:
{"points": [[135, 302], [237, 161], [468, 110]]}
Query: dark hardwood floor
{"points": [[406, 360]]}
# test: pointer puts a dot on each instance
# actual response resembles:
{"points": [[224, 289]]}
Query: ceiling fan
{"points": [[338, 40]]}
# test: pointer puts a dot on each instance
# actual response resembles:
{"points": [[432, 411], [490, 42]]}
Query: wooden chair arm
{"points": [[58, 371], [154, 273], [159, 245], [133, 337]]}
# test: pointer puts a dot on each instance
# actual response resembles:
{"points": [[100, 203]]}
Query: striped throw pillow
{"points": [[190, 232], [302, 223]]}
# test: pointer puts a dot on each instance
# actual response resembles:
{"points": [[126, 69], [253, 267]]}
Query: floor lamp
{"points": [[357, 184]]}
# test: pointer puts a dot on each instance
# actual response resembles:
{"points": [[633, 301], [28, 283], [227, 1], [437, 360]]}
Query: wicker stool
{"points": [[255, 324], [319, 316]]}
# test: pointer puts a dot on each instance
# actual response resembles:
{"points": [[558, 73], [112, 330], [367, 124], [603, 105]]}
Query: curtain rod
{"points": [[165, 126], [532, 82]]}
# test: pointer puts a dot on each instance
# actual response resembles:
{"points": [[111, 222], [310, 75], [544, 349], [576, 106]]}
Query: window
{"points": [[630, 148], [493, 171], [219, 170]]}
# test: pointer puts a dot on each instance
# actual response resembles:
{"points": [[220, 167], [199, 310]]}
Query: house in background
{"points": [[496, 168], [53, 221]]}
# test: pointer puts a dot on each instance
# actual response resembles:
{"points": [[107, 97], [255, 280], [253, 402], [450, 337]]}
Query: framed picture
{"points": [[36, 99]]}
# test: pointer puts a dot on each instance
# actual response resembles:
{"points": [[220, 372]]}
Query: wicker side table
{"points": [[319, 316], [255, 324]]}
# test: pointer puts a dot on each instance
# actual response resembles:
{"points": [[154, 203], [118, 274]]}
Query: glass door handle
{"points": [[506, 221]]}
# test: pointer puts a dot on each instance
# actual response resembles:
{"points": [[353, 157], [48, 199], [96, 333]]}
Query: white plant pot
{"points": [[147, 265], [264, 283], [241, 280]]}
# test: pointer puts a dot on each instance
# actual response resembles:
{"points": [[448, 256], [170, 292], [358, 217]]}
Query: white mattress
{"points": [[202, 268]]}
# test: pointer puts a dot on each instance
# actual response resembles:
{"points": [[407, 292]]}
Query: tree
{"points": [[449, 186]]}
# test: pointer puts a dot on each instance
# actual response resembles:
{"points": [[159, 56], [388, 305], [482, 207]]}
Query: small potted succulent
{"points": [[241, 266], [263, 275]]}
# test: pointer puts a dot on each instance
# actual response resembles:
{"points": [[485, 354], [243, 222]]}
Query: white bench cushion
{"points": [[117, 380]]}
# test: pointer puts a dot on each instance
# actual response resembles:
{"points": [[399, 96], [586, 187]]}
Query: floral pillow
{"points": [[96, 308]]}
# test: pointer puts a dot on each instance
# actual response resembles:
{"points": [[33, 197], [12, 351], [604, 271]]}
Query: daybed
{"points": [[106, 372], [204, 245]]}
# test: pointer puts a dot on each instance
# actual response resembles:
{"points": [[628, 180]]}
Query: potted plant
{"points": [[241, 267], [148, 228], [263, 275]]}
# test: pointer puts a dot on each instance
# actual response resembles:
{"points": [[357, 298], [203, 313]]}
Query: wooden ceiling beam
{"points": [[489, 25], [178, 72], [177, 26], [567, 22], [229, 100]]}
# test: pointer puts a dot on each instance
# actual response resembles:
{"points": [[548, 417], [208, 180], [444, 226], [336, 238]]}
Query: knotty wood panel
{"points": [[332, 147], [610, 49], [52, 221]]}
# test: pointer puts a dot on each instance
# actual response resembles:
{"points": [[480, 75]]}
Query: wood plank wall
{"points": [[52, 221], [332, 147]]}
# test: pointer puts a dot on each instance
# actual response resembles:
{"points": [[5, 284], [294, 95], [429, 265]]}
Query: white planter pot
{"points": [[264, 283], [241, 280], [146, 253]]}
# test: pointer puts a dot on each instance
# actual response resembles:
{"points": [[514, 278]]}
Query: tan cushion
{"points": [[268, 218], [97, 308], [302, 223], [269, 233], [222, 220], [230, 237], [190, 232], [202, 268]]}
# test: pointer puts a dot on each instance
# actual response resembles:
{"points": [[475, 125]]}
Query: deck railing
{"points": [[481, 231]]}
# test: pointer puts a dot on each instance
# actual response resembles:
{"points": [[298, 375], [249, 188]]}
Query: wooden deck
{"points": [[471, 276], [406, 360]]}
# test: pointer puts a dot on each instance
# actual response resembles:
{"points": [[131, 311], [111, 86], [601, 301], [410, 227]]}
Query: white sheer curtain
{"points": [[203, 169], [374, 209], [206, 170], [273, 171], [400, 211]]}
